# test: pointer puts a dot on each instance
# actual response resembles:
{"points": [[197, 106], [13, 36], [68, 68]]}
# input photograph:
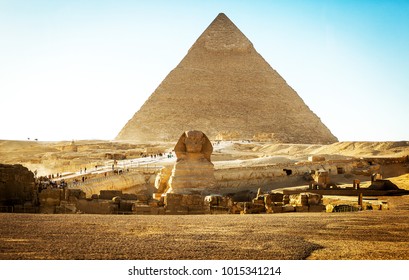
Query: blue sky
{"points": [[81, 69]]}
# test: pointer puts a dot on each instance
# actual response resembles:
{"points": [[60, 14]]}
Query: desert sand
{"points": [[330, 236]]}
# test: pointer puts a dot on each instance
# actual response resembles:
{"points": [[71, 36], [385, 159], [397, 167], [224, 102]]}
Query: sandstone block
{"points": [[301, 208], [109, 194], [317, 208], [50, 197], [288, 208], [277, 209]]}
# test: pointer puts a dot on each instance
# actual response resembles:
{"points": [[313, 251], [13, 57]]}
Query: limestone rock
{"points": [[224, 87], [16, 184], [193, 173]]}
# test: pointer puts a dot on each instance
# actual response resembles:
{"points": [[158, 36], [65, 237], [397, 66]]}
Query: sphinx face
{"points": [[194, 141]]}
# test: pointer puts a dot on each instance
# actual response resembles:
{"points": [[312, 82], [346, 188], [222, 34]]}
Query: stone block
{"points": [[129, 196], [125, 206], [221, 210], [50, 197], [142, 209], [109, 194], [72, 195], [314, 198], [301, 208], [253, 208], [276, 197], [143, 197], [97, 206], [288, 208], [317, 208], [316, 158], [277, 209], [157, 211], [153, 203], [173, 199]]}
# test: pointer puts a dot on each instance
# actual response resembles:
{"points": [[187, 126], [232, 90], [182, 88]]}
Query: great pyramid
{"points": [[224, 88]]}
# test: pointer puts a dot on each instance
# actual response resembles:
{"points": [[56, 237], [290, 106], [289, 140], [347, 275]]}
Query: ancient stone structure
{"points": [[193, 172], [182, 204], [224, 87], [16, 185]]}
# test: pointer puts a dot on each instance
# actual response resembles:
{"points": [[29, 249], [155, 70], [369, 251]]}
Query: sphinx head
{"points": [[193, 142]]}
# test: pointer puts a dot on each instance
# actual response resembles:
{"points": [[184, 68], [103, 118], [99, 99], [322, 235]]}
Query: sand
{"points": [[287, 236]]}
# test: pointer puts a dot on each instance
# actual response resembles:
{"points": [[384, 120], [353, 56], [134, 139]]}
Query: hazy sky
{"points": [[81, 69]]}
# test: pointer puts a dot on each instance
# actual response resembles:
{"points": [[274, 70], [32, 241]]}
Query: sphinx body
{"points": [[193, 172]]}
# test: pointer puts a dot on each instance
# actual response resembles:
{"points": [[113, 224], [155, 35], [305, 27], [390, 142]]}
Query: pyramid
{"points": [[224, 88]]}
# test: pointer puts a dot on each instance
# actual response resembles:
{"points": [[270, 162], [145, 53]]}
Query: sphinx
{"points": [[193, 171]]}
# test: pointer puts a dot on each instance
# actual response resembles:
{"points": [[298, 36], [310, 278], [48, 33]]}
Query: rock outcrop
{"points": [[224, 87], [16, 185]]}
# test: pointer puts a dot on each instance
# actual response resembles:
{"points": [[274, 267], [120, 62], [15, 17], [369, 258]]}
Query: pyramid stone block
{"points": [[224, 88]]}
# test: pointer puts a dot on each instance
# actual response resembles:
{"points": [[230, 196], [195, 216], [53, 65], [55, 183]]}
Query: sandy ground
{"points": [[356, 235]]}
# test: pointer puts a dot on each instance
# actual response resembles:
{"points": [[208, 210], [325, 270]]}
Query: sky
{"points": [[72, 70]]}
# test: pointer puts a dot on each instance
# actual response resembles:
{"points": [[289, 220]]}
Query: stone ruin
{"points": [[279, 203], [70, 201], [17, 188]]}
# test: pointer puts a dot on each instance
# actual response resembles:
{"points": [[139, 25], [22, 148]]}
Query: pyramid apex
{"points": [[221, 15], [223, 35]]}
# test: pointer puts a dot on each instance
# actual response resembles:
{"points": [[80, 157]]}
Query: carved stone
{"points": [[193, 172]]}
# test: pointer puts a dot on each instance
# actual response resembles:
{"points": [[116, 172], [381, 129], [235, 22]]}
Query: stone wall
{"points": [[132, 182], [49, 199], [185, 204], [274, 176]]}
